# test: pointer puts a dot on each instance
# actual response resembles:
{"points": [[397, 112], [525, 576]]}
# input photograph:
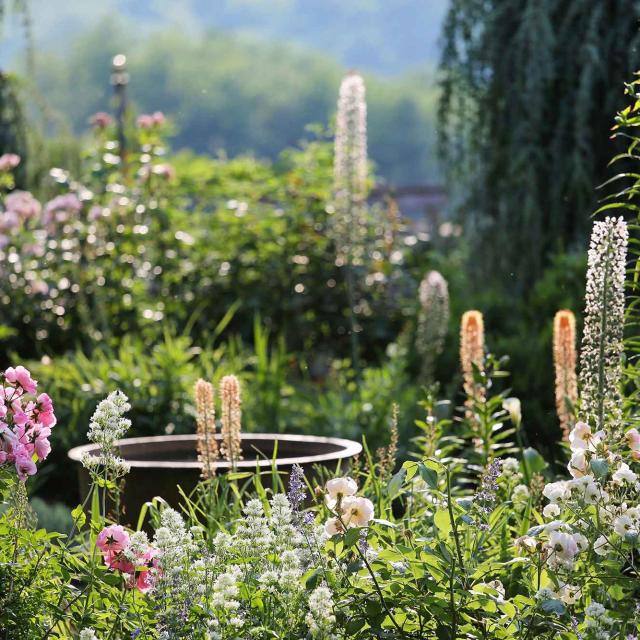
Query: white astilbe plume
{"points": [[602, 347], [433, 319], [108, 425], [350, 168]]}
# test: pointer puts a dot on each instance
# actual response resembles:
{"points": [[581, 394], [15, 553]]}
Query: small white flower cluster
{"points": [[598, 623], [349, 510], [108, 425], [88, 634], [264, 560], [320, 618], [598, 509], [182, 570], [601, 353]]}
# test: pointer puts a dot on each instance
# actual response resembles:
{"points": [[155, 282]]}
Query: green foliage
{"points": [[525, 134]]}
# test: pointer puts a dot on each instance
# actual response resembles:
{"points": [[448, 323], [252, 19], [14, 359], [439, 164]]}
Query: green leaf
{"points": [[442, 521], [395, 484], [600, 468], [428, 475], [79, 516], [554, 606], [351, 537], [535, 462]]}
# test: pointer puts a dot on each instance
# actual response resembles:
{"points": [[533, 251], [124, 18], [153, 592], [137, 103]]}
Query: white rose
{"points": [[624, 474], [562, 545], [333, 527], [601, 546], [578, 464], [555, 491], [357, 511], [624, 525], [579, 436], [339, 488], [569, 594], [551, 510]]}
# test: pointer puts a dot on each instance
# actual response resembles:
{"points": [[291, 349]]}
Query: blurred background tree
{"points": [[529, 90]]}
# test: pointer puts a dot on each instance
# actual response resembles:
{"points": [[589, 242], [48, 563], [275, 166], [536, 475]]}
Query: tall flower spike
{"points": [[564, 361], [471, 347], [207, 444], [350, 168], [602, 347], [231, 417], [433, 320]]}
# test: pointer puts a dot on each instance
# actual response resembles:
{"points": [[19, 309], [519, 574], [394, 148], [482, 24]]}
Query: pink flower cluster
{"points": [[151, 120], [61, 209], [25, 422], [119, 554], [9, 161], [101, 120]]}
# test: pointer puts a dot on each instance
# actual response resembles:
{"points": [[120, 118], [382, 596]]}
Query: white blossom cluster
{"points": [[602, 347], [596, 512], [320, 618], [433, 320], [264, 561], [108, 425], [350, 165]]}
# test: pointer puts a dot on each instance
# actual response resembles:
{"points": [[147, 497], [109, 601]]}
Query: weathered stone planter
{"points": [[160, 463]]}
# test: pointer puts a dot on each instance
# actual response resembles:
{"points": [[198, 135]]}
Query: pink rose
{"points": [[117, 560], [45, 411], [144, 581], [113, 539], [158, 118]]}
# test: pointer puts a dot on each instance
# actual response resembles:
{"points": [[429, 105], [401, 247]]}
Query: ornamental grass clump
{"points": [[564, 361], [602, 345], [231, 416], [208, 451], [433, 319]]}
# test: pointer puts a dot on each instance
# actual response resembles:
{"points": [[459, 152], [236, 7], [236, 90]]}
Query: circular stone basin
{"points": [[160, 463]]}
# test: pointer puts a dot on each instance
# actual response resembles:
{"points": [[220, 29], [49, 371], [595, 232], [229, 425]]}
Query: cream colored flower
{"points": [[633, 440], [562, 545], [601, 546], [578, 464], [551, 510], [357, 511], [569, 593], [526, 544], [339, 488], [333, 527], [514, 408], [624, 474], [579, 436]]}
